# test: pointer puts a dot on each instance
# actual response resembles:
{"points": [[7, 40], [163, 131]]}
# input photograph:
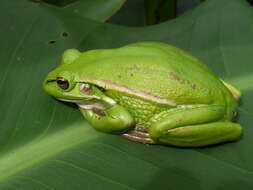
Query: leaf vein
{"points": [[84, 170]]}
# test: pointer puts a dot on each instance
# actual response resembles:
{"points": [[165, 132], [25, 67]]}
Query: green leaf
{"points": [[99, 10], [159, 11], [57, 2], [46, 144], [132, 13]]}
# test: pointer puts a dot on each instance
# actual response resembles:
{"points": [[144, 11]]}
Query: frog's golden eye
{"points": [[62, 83]]}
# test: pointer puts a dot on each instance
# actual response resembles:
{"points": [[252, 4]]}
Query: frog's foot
{"points": [[193, 127], [138, 136]]}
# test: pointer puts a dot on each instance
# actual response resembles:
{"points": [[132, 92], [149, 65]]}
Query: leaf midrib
{"points": [[38, 150]]}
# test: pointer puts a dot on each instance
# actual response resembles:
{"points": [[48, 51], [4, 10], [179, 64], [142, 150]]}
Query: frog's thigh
{"points": [[187, 126], [112, 120]]}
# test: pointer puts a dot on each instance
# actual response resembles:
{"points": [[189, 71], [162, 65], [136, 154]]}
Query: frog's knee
{"points": [[155, 132], [236, 132]]}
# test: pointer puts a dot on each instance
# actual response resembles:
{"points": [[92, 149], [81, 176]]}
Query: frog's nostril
{"points": [[50, 80], [46, 84]]}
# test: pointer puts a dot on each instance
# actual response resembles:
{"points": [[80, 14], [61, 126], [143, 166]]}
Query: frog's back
{"points": [[155, 68]]}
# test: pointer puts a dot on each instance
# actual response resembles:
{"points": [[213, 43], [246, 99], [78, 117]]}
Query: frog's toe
{"points": [[138, 136]]}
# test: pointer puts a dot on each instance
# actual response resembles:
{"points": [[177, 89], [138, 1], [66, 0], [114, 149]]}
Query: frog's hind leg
{"points": [[202, 135], [193, 127], [235, 92], [138, 136]]}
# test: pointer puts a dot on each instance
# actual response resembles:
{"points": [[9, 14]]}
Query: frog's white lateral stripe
{"points": [[142, 94], [66, 100], [72, 95], [80, 96], [91, 106]]}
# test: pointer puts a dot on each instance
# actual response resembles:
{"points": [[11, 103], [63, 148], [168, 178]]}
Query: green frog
{"points": [[149, 92]]}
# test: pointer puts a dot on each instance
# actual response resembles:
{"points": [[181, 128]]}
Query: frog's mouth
{"points": [[80, 94], [65, 91]]}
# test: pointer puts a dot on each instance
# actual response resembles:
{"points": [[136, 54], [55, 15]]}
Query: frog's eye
{"points": [[62, 83]]}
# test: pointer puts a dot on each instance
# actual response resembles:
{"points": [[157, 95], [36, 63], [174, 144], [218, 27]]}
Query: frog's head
{"points": [[64, 84]]}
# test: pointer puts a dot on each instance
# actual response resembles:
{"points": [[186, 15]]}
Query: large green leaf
{"points": [[46, 144], [99, 10]]}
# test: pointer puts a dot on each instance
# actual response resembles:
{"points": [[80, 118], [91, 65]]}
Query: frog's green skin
{"points": [[149, 92]]}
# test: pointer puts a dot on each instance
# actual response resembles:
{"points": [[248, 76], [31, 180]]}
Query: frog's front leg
{"points": [[193, 127], [115, 119]]}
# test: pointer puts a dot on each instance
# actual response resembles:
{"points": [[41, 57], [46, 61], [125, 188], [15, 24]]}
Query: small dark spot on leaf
{"points": [[65, 34], [132, 74], [51, 41], [120, 76]]}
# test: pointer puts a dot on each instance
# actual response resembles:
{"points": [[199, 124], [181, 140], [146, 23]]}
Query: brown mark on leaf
{"points": [[134, 68]]}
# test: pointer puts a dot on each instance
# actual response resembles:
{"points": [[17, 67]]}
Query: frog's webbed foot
{"points": [[193, 127], [138, 136]]}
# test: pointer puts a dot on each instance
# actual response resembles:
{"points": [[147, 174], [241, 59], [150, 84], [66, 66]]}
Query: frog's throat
{"points": [[142, 94]]}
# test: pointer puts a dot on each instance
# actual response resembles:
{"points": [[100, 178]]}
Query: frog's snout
{"points": [[49, 85]]}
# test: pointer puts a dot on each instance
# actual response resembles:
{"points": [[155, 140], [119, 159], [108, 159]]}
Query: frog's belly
{"points": [[141, 110]]}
